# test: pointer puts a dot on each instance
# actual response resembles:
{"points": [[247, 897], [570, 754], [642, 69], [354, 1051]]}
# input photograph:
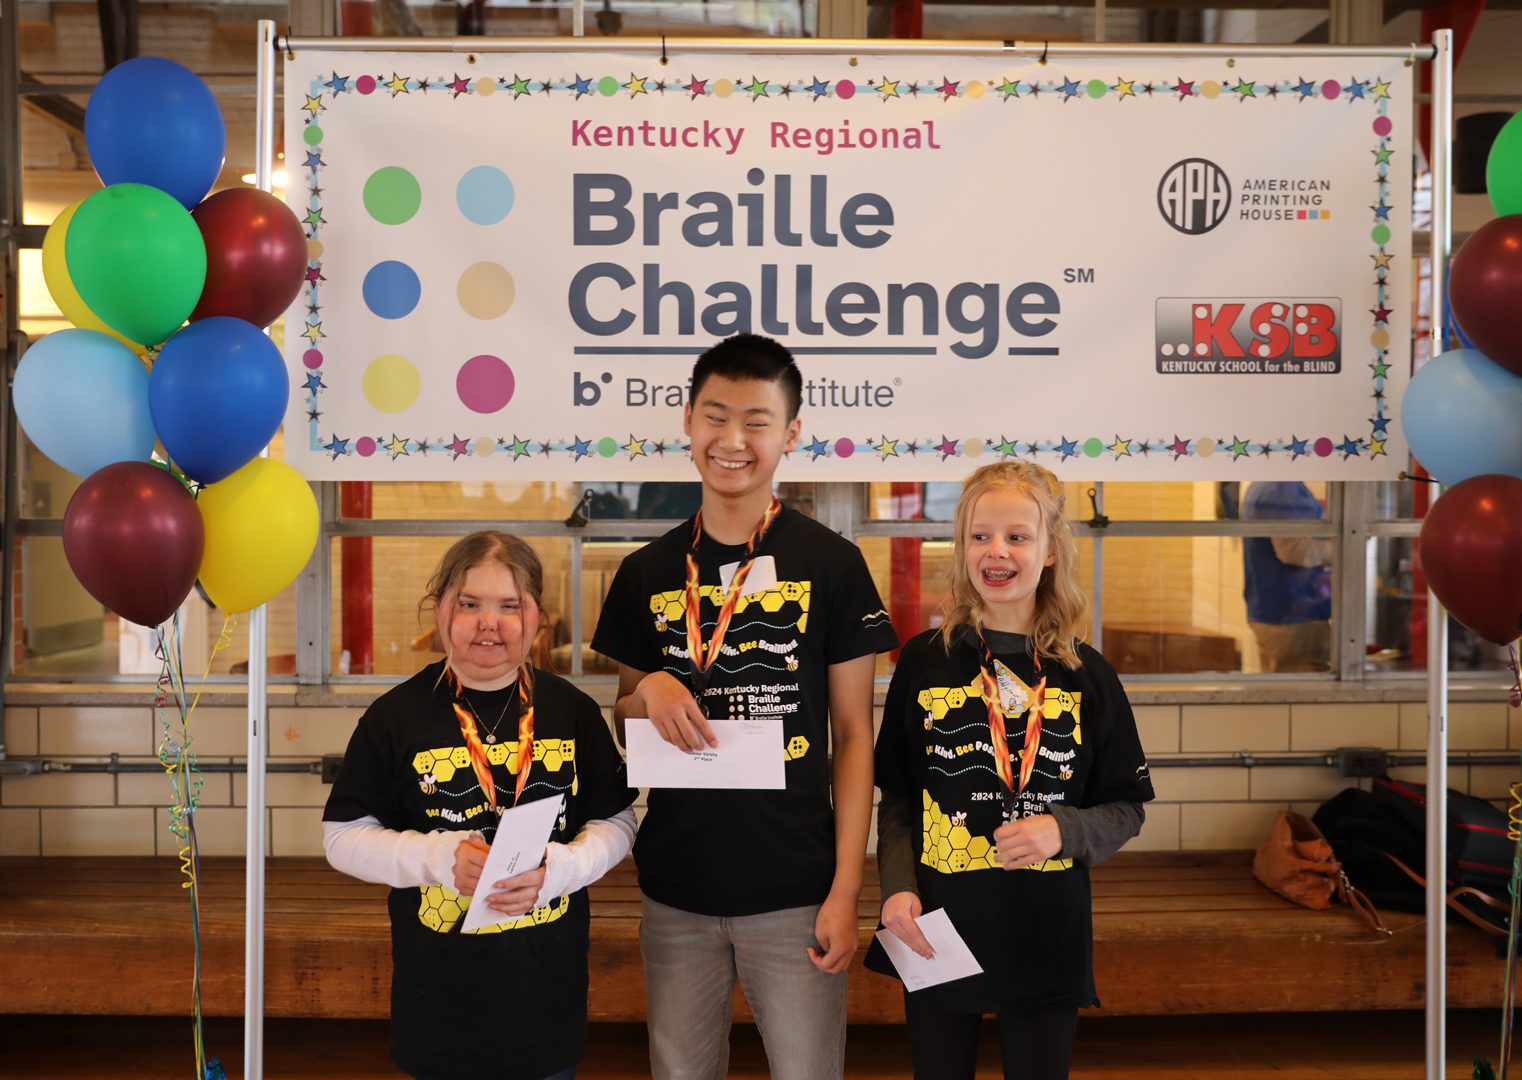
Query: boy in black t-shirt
{"points": [[750, 610]]}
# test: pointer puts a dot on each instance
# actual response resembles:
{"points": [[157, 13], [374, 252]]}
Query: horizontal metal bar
{"points": [[814, 46], [1249, 760], [941, 530], [18, 766], [641, 528]]}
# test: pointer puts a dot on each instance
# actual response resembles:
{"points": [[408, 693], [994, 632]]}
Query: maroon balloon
{"points": [[134, 539], [1486, 290], [1472, 554], [256, 256]]}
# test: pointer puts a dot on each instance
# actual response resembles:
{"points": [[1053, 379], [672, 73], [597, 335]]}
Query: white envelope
{"points": [[522, 835], [749, 755], [953, 959], [762, 576]]}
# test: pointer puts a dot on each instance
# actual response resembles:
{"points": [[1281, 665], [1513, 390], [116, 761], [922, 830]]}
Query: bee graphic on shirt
{"points": [[428, 783], [660, 623], [959, 818], [560, 822], [1065, 771], [929, 721], [792, 663]]}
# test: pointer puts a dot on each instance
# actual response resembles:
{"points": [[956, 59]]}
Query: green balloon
{"points": [[137, 259], [1503, 169]]}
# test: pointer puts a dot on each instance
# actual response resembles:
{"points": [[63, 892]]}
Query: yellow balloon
{"points": [[261, 527], [56, 273]]}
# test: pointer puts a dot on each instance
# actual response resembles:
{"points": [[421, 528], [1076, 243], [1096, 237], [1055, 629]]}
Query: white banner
{"points": [[1122, 268]]}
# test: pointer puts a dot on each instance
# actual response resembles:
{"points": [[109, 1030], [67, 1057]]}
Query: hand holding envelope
{"points": [[523, 834]]}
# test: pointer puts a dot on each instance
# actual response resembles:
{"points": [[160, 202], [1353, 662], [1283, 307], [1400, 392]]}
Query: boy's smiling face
{"points": [[739, 431]]}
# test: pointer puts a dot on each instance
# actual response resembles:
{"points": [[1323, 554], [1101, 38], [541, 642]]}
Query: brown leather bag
{"points": [[1296, 861]]}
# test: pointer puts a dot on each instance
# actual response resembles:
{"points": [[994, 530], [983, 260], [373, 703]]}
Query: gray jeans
{"points": [[690, 966]]}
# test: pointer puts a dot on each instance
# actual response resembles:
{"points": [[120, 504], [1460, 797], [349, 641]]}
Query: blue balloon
{"points": [[218, 393], [152, 121], [1460, 414], [82, 397]]}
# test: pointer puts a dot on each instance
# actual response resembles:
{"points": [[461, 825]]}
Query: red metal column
{"points": [[908, 504], [357, 571]]}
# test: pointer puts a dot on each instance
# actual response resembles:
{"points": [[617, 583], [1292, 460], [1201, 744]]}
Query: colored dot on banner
{"points": [[1093, 447], [1210, 90], [1383, 126], [1380, 234], [484, 447], [1331, 89], [486, 87], [844, 448], [1323, 447], [392, 195], [486, 290], [975, 90], [312, 358], [392, 383], [364, 446], [607, 446], [973, 448], [484, 195], [1097, 88], [485, 384], [607, 86], [1204, 447], [314, 249], [723, 88], [1380, 339], [391, 289], [365, 84], [845, 90], [312, 135]]}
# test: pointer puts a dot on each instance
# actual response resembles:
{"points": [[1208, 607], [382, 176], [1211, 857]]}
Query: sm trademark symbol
{"points": [[1082, 275]]}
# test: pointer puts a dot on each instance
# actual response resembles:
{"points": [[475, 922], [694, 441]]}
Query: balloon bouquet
{"points": [[128, 265]]}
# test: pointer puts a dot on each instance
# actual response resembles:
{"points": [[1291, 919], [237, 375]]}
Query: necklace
{"points": [[491, 734]]}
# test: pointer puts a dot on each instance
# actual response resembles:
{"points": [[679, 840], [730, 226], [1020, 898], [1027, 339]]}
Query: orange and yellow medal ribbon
{"points": [[477, 749], [701, 655], [998, 735]]}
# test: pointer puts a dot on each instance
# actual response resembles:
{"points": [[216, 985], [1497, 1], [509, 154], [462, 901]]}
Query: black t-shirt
{"points": [[507, 1002], [1029, 929], [730, 853]]}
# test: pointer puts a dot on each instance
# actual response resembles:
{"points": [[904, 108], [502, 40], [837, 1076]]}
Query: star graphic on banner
{"points": [[947, 448], [1382, 157], [758, 88], [423, 447], [1183, 89], [635, 85], [1034, 88], [580, 447], [1349, 448], [1238, 448], [1305, 88], [1377, 448], [1266, 450], [1124, 87], [314, 217], [397, 447], [339, 83], [314, 273], [519, 86], [1067, 447], [1008, 89], [660, 448], [1244, 89], [397, 84], [314, 160], [1380, 369], [1271, 90], [314, 105], [913, 448], [518, 447], [1380, 89], [458, 447], [888, 88], [886, 448], [1381, 261], [1356, 89], [1297, 447], [1382, 211], [819, 89], [1069, 89], [337, 446], [1005, 448], [634, 447], [580, 85], [1147, 89], [817, 448], [697, 87], [1180, 447], [1144, 448], [313, 415], [313, 332], [1120, 448], [1380, 424], [947, 89], [1381, 314]]}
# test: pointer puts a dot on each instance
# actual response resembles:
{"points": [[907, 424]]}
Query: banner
{"points": [[1138, 268]]}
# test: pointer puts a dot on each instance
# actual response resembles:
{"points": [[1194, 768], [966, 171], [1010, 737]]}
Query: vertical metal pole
{"points": [[577, 592], [258, 640], [578, 18], [11, 207], [1437, 618], [1096, 587]]}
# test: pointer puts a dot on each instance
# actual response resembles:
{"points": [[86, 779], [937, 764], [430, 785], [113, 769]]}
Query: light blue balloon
{"points": [[82, 397], [1463, 417]]}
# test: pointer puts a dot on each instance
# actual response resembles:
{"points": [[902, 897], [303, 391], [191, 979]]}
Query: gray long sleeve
{"points": [[1093, 833], [896, 844]]}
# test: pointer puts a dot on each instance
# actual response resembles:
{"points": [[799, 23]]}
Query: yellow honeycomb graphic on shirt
{"points": [[951, 849], [672, 606], [444, 761], [796, 747], [940, 700], [442, 908]]}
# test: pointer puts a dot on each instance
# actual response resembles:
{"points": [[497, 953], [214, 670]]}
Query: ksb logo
{"points": [[1278, 334]]}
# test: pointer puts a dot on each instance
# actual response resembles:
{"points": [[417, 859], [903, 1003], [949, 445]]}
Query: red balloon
{"points": [[1486, 290], [1472, 554], [256, 256], [134, 539]]}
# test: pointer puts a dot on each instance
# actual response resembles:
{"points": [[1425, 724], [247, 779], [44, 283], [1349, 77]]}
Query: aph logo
{"points": [[1241, 336], [1194, 196]]}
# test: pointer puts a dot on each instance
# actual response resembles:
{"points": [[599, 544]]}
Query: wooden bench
{"points": [[1174, 933]]}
